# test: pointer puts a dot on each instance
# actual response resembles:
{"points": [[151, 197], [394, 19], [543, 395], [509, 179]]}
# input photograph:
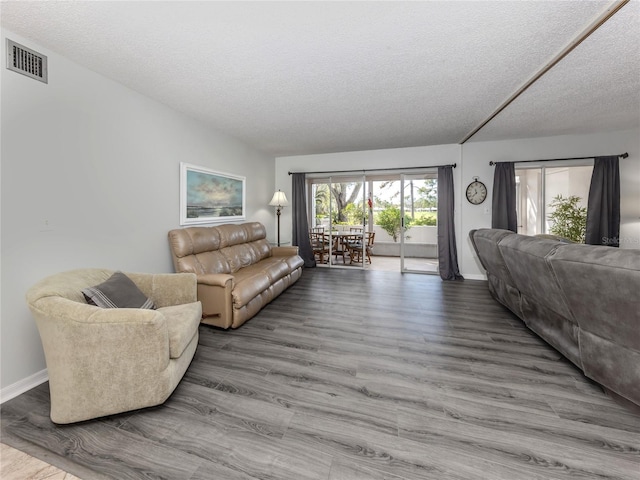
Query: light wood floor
{"points": [[354, 375], [17, 465]]}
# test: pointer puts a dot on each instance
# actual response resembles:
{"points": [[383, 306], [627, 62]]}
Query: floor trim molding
{"points": [[23, 385], [474, 276]]}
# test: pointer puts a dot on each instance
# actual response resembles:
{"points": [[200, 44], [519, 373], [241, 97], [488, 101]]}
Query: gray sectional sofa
{"points": [[584, 300]]}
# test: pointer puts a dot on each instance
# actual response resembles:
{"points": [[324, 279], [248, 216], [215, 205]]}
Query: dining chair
{"points": [[319, 244], [339, 246], [356, 250]]}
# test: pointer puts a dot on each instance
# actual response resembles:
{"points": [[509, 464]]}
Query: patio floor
{"points": [[392, 264]]}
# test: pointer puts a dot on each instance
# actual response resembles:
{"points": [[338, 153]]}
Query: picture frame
{"points": [[209, 196]]}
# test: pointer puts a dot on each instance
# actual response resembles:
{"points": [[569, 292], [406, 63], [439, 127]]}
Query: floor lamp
{"points": [[279, 201]]}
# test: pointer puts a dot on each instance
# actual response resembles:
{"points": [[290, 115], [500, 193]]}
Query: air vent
{"points": [[25, 61]]}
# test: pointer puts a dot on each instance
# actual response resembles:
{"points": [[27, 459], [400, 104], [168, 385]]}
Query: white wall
{"points": [[473, 161], [476, 157], [99, 164]]}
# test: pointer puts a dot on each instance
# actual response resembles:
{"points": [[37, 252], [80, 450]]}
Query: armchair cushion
{"points": [[118, 291]]}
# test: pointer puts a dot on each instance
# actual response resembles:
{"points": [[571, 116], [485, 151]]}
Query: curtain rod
{"points": [[379, 169], [622, 155]]}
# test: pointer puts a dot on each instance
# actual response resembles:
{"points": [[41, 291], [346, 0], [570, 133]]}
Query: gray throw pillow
{"points": [[118, 291]]}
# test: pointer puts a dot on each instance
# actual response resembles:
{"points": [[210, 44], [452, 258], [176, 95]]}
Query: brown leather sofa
{"points": [[581, 299], [238, 271]]}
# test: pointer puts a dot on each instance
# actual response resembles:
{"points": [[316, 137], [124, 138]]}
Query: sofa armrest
{"points": [[284, 251], [215, 279], [214, 292]]}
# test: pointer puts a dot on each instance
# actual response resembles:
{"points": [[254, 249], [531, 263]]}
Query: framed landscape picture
{"points": [[207, 196]]}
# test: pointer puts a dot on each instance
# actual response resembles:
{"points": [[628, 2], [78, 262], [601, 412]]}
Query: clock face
{"points": [[476, 192]]}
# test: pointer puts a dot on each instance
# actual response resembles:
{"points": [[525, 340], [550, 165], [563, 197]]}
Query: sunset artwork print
{"points": [[210, 197]]}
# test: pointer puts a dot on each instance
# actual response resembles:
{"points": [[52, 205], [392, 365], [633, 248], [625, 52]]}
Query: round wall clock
{"points": [[476, 192]]}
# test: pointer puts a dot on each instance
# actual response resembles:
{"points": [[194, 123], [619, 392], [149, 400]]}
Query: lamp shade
{"points": [[279, 200]]}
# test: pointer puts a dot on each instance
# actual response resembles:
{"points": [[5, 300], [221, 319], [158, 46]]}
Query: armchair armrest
{"points": [[86, 358]]}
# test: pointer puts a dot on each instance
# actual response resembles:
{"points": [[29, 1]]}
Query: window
{"points": [[536, 188]]}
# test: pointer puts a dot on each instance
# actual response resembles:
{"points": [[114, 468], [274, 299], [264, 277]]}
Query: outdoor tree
{"points": [[354, 212], [389, 220], [346, 202], [428, 194], [342, 196], [322, 201], [389, 194]]}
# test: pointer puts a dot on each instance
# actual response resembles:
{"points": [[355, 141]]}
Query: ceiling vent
{"points": [[26, 61]]}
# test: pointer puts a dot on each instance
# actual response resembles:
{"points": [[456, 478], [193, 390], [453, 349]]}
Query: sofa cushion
{"points": [[118, 291], [239, 256], [182, 325], [194, 240], [249, 282], [246, 254], [210, 262], [276, 269], [295, 262]]}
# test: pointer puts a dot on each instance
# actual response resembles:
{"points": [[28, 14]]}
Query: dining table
{"points": [[339, 241]]}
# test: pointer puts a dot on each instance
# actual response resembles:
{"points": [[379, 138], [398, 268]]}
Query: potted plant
{"points": [[569, 219]]}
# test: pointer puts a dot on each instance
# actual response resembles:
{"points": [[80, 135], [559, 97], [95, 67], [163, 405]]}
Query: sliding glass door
{"points": [[418, 218], [382, 222], [540, 188], [338, 221]]}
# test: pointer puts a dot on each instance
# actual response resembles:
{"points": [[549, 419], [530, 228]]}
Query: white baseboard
{"points": [[474, 276], [23, 385]]}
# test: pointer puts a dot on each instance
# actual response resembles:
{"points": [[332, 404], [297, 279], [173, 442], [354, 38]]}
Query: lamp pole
{"points": [[278, 214], [279, 200]]}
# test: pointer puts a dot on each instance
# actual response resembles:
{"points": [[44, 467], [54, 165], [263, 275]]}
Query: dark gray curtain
{"points": [[300, 234], [503, 208], [603, 208], [447, 251]]}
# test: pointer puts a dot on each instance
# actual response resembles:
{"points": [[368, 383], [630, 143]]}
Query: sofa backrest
{"points": [[526, 259], [601, 285], [68, 285], [485, 243], [221, 249]]}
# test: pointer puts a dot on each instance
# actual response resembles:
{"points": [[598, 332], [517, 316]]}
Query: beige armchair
{"points": [[103, 361]]}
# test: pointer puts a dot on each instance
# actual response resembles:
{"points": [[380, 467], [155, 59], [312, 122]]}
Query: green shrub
{"points": [[569, 220], [389, 221], [428, 221]]}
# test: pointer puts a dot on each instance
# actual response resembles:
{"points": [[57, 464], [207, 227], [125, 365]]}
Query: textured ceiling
{"points": [[595, 88], [313, 77]]}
